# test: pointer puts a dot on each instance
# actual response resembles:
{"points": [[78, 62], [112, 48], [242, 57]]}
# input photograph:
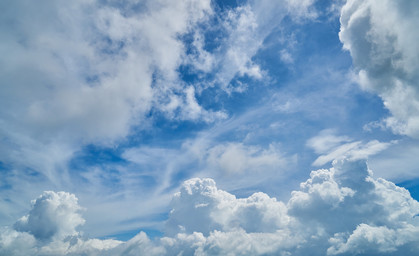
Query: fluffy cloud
{"points": [[201, 207], [337, 211], [94, 83], [385, 55], [53, 215]]}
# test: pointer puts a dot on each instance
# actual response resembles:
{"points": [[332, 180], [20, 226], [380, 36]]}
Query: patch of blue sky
{"points": [[127, 235], [151, 217], [165, 132], [411, 185], [5, 170], [92, 154], [227, 4], [112, 170]]}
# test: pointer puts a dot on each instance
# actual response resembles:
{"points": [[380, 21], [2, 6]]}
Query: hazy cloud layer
{"points": [[380, 218]]}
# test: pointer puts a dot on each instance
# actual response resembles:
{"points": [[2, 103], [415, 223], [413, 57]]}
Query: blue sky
{"points": [[128, 107]]}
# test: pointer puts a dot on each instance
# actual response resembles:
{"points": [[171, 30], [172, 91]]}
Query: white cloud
{"points": [[285, 56], [89, 71], [239, 158], [86, 72], [339, 211], [125, 51], [325, 141], [233, 57], [186, 107], [236, 165], [95, 83], [398, 163], [53, 215], [201, 207], [16, 243], [302, 9], [385, 56], [70, 86], [245, 28], [372, 240], [330, 147]]}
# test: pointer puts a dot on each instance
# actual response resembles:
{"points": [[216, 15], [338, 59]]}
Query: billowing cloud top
{"points": [[382, 38], [337, 211], [53, 215]]}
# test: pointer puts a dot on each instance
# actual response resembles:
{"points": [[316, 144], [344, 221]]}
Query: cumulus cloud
{"points": [[53, 215], [201, 207], [385, 56], [338, 211]]}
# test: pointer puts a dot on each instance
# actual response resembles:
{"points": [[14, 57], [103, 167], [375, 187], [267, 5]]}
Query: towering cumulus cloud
{"points": [[337, 211], [52, 215], [382, 38]]}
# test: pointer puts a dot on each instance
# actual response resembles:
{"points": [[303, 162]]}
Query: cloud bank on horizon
{"points": [[131, 106], [338, 211]]}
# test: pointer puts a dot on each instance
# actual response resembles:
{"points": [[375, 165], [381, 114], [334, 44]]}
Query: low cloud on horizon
{"points": [[338, 211]]}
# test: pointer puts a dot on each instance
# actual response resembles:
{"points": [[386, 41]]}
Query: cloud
{"points": [[398, 163], [93, 84], [244, 30], [239, 158], [337, 211], [199, 202], [325, 141], [16, 243], [90, 72], [86, 72], [330, 146], [53, 215], [188, 108], [370, 240], [385, 56], [241, 163]]}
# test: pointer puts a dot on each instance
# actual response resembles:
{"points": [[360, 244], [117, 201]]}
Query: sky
{"points": [[209, 127]]}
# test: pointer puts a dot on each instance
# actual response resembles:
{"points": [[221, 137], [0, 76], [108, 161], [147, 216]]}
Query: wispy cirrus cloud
{"points": [[331, 147]]}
